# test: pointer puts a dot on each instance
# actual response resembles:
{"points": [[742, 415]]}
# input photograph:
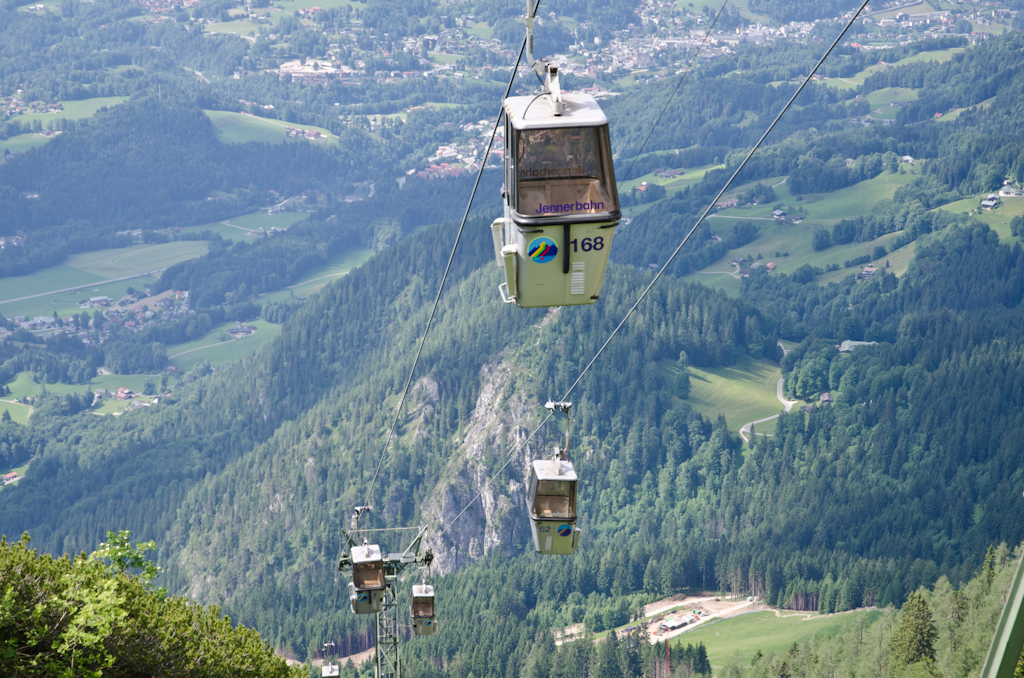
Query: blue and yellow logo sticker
{"points": [[564, 530], [542, 249]]}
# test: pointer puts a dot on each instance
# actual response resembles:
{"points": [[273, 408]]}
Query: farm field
{"points": [[317, 278], [119, 262], [939, 55], [83, 271], [263, 220], [998, 219], [747, 633], [238, 27], [692, 176], [239, 228], [19, 413], [717, 277], [73, 110], [240, 128], [742, 392], [775, 239], [221, 352], [872, 196], [23, 142]]}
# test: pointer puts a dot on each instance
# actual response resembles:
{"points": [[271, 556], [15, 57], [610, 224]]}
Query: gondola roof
{"points": [[533, 112], [554, 469]]}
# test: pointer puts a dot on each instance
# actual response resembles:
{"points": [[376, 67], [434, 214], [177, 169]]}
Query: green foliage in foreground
{"points": [[78, 617]]}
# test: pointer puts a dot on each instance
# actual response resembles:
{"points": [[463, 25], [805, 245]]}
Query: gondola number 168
{"points": [[587, 244]]}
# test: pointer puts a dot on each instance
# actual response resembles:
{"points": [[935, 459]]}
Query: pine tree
{"points": [[990, 565], [914, 639]]}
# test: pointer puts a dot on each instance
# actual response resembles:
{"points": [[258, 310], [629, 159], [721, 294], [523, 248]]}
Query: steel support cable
{"points": [[444, 278], [671, 258]]}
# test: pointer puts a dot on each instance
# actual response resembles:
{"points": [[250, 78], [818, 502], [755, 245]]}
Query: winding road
{"points": [[787, 404]]}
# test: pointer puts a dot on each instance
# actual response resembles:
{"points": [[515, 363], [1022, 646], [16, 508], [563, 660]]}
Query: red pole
{"points": [[668, 650]]}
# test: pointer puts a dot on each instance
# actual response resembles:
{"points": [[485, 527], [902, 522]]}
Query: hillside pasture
{"points": [[73, 110], [218, 351], [745, 634], [240, 128], [23, 142], [119, 262], [81, 274], [742, 392], [998, 219], [263, 220]]}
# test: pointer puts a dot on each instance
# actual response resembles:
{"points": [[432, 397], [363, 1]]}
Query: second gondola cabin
{"points": [[561, 202], [552, 503], [366, 590], [422, 610]]}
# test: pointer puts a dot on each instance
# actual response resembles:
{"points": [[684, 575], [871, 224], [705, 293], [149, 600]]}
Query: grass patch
{"points": [[81, 273], [998, 219], [223, 230], [480, 29], [240, 128], [239, 27], [66, 303], [888, 95], [719, 280], [746, 634], [23, 142], [268, 221], [742, 392], [243, 227], [223, 352], [119, 262], [73, 110], [45, 280], [318, 278], [19, 415], [841, 83]]}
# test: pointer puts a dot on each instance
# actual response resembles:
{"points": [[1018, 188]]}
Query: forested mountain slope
{"points": [[247, 478]]}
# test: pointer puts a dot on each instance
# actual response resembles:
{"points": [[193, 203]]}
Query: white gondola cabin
{"points": [[552, 502], [422, 610], [561, 202], [366, 590]]}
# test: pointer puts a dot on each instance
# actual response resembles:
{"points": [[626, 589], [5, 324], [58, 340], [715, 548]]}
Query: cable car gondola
{"points": [[552, 498], [561, 202], [366, 590], [553, 507], [422, 610]]}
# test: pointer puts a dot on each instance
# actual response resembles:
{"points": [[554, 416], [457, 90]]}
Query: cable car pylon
{"points": [[372, 590], [561, 205]]}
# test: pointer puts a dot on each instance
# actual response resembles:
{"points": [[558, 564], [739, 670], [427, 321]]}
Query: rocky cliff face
{"points": [[502, 420]]}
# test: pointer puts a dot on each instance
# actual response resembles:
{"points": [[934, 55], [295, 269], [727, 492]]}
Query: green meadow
{"points": [[742, 392], [218, 351], [268, 221], [83, 271], [22, 142], [746, 634], [321, 276], [998, 219], [240, 128], [73, 110], [238, 228], [119, 262]]}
